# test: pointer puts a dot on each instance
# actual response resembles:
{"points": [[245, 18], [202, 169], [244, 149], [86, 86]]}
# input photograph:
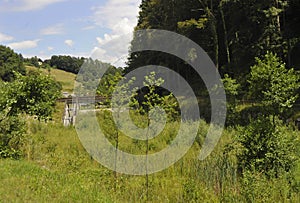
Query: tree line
{"points": [[11, 61], [66, 63], [232, 32]]}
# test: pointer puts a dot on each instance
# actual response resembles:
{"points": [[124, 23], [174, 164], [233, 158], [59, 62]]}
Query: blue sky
{"points": [[91, 28]]}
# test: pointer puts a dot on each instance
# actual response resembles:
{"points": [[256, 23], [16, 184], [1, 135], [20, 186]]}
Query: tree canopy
{"points": [[34, 95], [273, 85], [232, 32], [66, 63], [10, 62]]}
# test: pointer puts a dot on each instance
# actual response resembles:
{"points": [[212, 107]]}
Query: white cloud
{"points": [[27, 5], [102, 54], [5, 38], [120, 16], [69, 42], [107, 38], [114, 11], [88, 28], [53, 30], [112, 48], [43, 55], [40, 55], [28, 44], [50, 48]]}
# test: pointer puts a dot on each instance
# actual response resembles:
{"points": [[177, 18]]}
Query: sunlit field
{"points": [[57, 168]]}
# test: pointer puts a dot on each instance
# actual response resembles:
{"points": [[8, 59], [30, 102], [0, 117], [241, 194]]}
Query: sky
{"points": [[100, 29]]}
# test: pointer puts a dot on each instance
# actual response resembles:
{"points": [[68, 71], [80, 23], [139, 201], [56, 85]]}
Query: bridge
{"points": [[74, 104], [83, 99]]}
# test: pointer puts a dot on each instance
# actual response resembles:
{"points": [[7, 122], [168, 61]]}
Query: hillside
{"points": [[65, 78]]}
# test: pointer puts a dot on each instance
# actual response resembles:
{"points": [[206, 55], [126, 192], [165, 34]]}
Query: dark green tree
{"points": [[66, 63], [232, 32], [10, 62]]}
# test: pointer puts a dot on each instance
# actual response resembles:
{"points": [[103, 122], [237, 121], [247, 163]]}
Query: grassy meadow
{"points": [[56, 168]]}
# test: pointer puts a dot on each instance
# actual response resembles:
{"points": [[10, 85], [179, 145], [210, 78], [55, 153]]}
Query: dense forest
{"points": [[232, 32]]}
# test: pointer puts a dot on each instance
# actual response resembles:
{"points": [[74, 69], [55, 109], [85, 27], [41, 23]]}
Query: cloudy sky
{"points": [[90, 28]]}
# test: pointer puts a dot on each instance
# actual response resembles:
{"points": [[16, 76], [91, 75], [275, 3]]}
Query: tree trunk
{"points": [[215, 41], [213, 27], [278, 17], [225, 33]]}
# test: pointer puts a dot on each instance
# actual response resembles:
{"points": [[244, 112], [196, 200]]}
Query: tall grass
{"points": [[57, 168]]}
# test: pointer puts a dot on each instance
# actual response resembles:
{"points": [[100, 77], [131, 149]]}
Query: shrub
{"points": [[267, 147], [34, 95], [12, 129], [272, 84], [245, 116]]}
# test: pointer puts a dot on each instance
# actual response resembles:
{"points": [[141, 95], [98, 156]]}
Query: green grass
{"points": [[25, 181], [65, 78], [56, 168]]}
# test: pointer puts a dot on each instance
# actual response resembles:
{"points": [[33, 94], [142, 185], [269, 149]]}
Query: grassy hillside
{"points": [[65, 78]]}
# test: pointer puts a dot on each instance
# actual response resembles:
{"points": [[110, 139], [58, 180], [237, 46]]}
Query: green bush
{"points": [[267, 147], [32, 95], [272, 84], [245, 116], [35, 95], [12, 129]]}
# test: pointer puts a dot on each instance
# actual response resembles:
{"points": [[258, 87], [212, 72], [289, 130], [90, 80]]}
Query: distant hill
{"points": [[65, 78], [66, 63]]}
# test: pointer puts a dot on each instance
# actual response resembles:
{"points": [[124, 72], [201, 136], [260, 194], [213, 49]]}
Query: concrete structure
{"points": [[74, 104]]}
